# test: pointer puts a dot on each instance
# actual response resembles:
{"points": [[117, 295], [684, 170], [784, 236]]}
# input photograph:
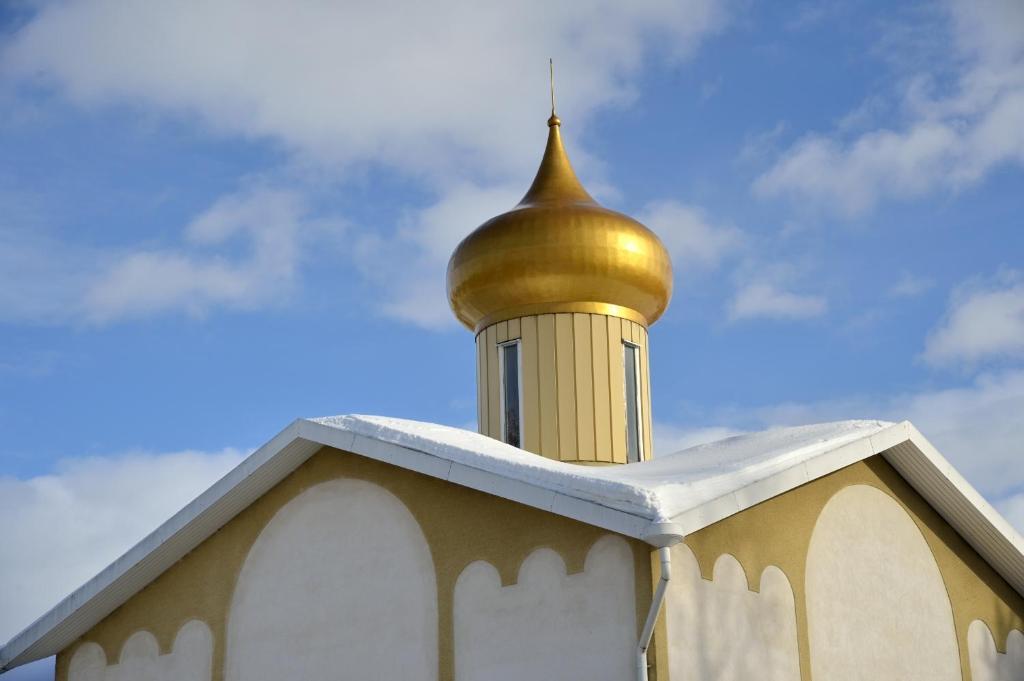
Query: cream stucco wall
{"points": [[987, 662], [876, 604], [549, 624], [720, 630], [341, 578], [190, 658]]}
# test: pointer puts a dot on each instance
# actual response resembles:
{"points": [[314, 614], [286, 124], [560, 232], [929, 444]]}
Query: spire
{"points": [[554, 120], [556, 181]]}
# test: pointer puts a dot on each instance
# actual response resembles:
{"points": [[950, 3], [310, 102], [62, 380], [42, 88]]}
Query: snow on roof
{"points": [[657, 490], [657, 501]]}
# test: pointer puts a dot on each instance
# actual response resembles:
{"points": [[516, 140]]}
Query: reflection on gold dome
{"points": [[559, 251]]}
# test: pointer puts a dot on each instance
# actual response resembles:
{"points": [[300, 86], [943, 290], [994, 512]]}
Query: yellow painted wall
{"points": [[573, 394], [778, 532], [461, 526]]}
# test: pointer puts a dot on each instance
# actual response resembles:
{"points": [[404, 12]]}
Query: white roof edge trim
{"points": [[901, 444]]}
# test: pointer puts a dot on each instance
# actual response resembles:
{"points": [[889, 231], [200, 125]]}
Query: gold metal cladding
{"points": [[559, 251], [551, 308]]}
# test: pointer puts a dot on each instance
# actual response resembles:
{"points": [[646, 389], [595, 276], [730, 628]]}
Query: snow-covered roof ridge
{"points": [[656, 501], [657, 489]]}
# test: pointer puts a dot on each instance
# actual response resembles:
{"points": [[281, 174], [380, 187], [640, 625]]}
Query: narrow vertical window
{"points": [[511, 423], [634, 438]]}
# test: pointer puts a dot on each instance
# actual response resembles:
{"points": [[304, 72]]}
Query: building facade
{"points": [[551, 545]]}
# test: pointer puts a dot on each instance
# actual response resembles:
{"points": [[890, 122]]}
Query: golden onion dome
{"points": [[559, 251]]}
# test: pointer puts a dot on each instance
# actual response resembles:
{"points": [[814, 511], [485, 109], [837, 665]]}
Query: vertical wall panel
{"points": [[573, 384], [547, 372], [527, 330], [493, 381], [566, 367], [602, 396], [645, 392], [583, 345], [481, 383], [617, 389]]}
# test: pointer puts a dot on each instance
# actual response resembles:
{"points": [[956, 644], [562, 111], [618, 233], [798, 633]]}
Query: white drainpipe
{"points": [[663, 536]]}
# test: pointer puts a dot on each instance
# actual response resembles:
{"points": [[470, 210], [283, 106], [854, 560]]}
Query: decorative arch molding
{"points": [[987, 663], [190, 659], [340, 581], [549, 624], [720, 629], [877, 606]]}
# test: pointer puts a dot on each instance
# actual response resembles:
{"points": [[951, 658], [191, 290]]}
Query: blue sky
{"points": [[215, 218]]}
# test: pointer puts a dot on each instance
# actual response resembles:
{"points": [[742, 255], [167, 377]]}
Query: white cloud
{"points": [[408, 267], [242, 252], [419, 86], [950, 140], [767, 300], [63, 528], [691, 239], [910, 286], [670, 439], [451, 94], [269, 223], [985, 320]]}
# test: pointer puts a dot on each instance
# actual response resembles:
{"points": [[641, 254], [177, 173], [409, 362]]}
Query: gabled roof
{"points": [[656, 501]]}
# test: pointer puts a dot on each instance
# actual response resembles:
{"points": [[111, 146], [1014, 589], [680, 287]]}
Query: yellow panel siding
{"points": [[573, 393], [582, 344], [493, 387], [481, 383], [527, 330], [602, 396], [566, 372], [617, 390], [547, 384]]}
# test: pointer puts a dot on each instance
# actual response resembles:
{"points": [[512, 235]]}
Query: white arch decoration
{"points": [[719, 630], [877, 607], [340, 584], [987, 663], [190, 659], [548, 626]]}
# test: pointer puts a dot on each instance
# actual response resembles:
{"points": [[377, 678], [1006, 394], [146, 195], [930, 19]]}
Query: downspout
{"points": [[664, 536]]}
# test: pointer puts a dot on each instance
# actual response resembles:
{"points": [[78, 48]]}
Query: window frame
{"points": [[502, 348], [637, 398]]}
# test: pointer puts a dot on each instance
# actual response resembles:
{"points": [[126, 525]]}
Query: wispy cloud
{"points": [[408, 267], [954, 137], [690, 236], [766, 300], [911, 286], [195, 277], [985, 320], [89, 510], [242, 252]]}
